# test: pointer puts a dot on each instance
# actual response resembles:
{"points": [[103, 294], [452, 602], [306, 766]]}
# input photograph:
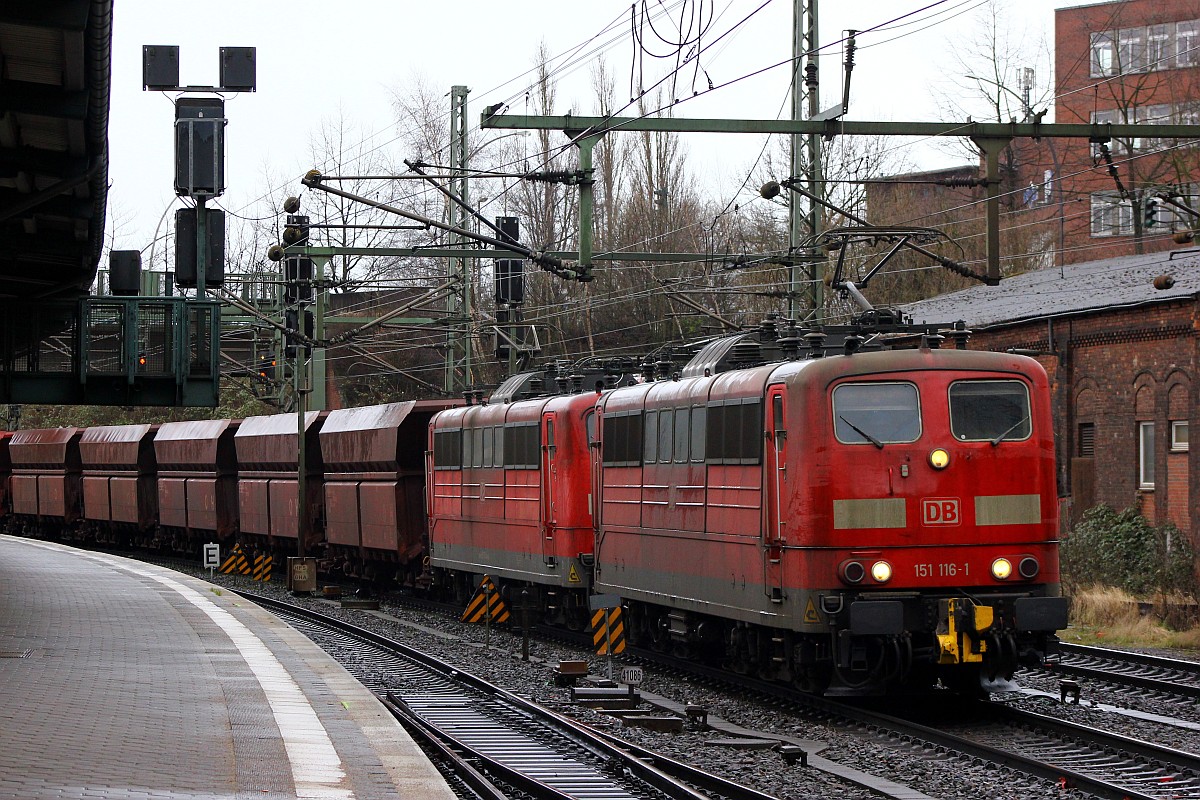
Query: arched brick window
{"points": [[1177, 415], [1085, 424], [1144, 416]]}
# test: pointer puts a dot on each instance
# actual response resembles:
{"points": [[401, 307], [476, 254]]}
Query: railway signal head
{"points": [[266, 369], [1150, 212]]}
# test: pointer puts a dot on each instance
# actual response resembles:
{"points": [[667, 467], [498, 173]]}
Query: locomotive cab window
{"points": [[621, 443], [989, 410], [520, 445], [876, 413], [447, 449]]}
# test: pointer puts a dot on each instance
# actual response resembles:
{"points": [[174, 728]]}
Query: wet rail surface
{"points": [[1063, 754], [1172, 676], [521, 746]]}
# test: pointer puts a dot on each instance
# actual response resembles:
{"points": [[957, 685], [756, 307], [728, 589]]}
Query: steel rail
{"points": [[546, 773], [1156, 673]]}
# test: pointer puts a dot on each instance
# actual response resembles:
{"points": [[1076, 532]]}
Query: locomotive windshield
{"points": [[876, 413], [989, 411]]}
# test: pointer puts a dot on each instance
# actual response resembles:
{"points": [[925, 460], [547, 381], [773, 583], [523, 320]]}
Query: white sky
{"points": [[319, 60]]}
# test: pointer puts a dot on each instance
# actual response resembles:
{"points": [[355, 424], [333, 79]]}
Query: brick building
{"points": [[1124, 362], [1132, 61]]}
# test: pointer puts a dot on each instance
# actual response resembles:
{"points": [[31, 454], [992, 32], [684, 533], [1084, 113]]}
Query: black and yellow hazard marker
{"points": [[486, 604], [237, 562], [262, 567], [608, 631]]}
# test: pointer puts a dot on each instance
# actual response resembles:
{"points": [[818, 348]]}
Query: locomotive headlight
{"points": [[1001, 569], [881, 571], [939, 459], [1028, 568]]}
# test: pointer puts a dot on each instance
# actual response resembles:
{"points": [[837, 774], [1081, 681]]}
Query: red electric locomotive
{"points": [[853, 522], [510, 495]]}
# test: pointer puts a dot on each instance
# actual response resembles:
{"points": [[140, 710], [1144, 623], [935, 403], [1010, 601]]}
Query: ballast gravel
{"points": [[927, 771]]}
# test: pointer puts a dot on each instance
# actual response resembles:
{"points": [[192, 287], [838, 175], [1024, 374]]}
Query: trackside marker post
{"points": [[212, 557]]}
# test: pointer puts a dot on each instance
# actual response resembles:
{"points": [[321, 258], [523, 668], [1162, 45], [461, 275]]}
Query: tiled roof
{"points": [[1073, 289]]}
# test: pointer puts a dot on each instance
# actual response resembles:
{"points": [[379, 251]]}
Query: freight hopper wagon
{"points": [[120, 498], [849, 523], [374, 487], [197, 482], [47, 483], [269, 503], [510, 496], [5, 473]]}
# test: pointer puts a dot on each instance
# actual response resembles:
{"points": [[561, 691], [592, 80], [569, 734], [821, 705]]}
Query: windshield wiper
{"points": [[1015, 425], [861, 432]]}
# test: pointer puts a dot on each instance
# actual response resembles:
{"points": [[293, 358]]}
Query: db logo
{"points": [[940, 511]]}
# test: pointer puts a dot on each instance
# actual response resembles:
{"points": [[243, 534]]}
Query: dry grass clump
{"points": [[1106, 615]]}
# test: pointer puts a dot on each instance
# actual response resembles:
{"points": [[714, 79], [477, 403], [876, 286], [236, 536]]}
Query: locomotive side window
{"points": [[876, 413], [521, 445], [622, 443], [477, 447], [650, 453], [699, 425], [489, 447], [734, 432], [447, 449], [666, 422], [989, 411], [682, 418]]}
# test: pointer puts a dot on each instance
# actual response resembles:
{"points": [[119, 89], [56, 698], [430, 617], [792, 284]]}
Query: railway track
{"points": [[521, 746], [1062, 753], [1171, 676], [1044, 748], [1079, 756]]}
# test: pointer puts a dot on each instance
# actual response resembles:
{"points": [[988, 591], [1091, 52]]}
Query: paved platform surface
{"points": [[124, 680]]}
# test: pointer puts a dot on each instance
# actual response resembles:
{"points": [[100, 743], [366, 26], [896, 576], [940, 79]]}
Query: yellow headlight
{"points": [[939, 459], [881, 571], [1001, 569]]}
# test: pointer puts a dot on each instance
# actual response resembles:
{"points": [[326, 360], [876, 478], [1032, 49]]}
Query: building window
{"points": [[1142, 49], [1187, 40], [1103, 61], [1145, 455], [1087, 439], [1111, 216], [1179, 436], [1131, 50], [1160, 51]]}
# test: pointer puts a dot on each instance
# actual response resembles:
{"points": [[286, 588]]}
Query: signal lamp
{"points": [[881, 571], [1028, 568], [852, 572], [939, 459], [1001, 569], [275, 253]]}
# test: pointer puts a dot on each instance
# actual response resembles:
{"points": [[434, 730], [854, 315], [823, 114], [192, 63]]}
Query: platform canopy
{"points": [[54, 104]]}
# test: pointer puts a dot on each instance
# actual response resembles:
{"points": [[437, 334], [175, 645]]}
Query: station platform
{"points": [[124, 680]]}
